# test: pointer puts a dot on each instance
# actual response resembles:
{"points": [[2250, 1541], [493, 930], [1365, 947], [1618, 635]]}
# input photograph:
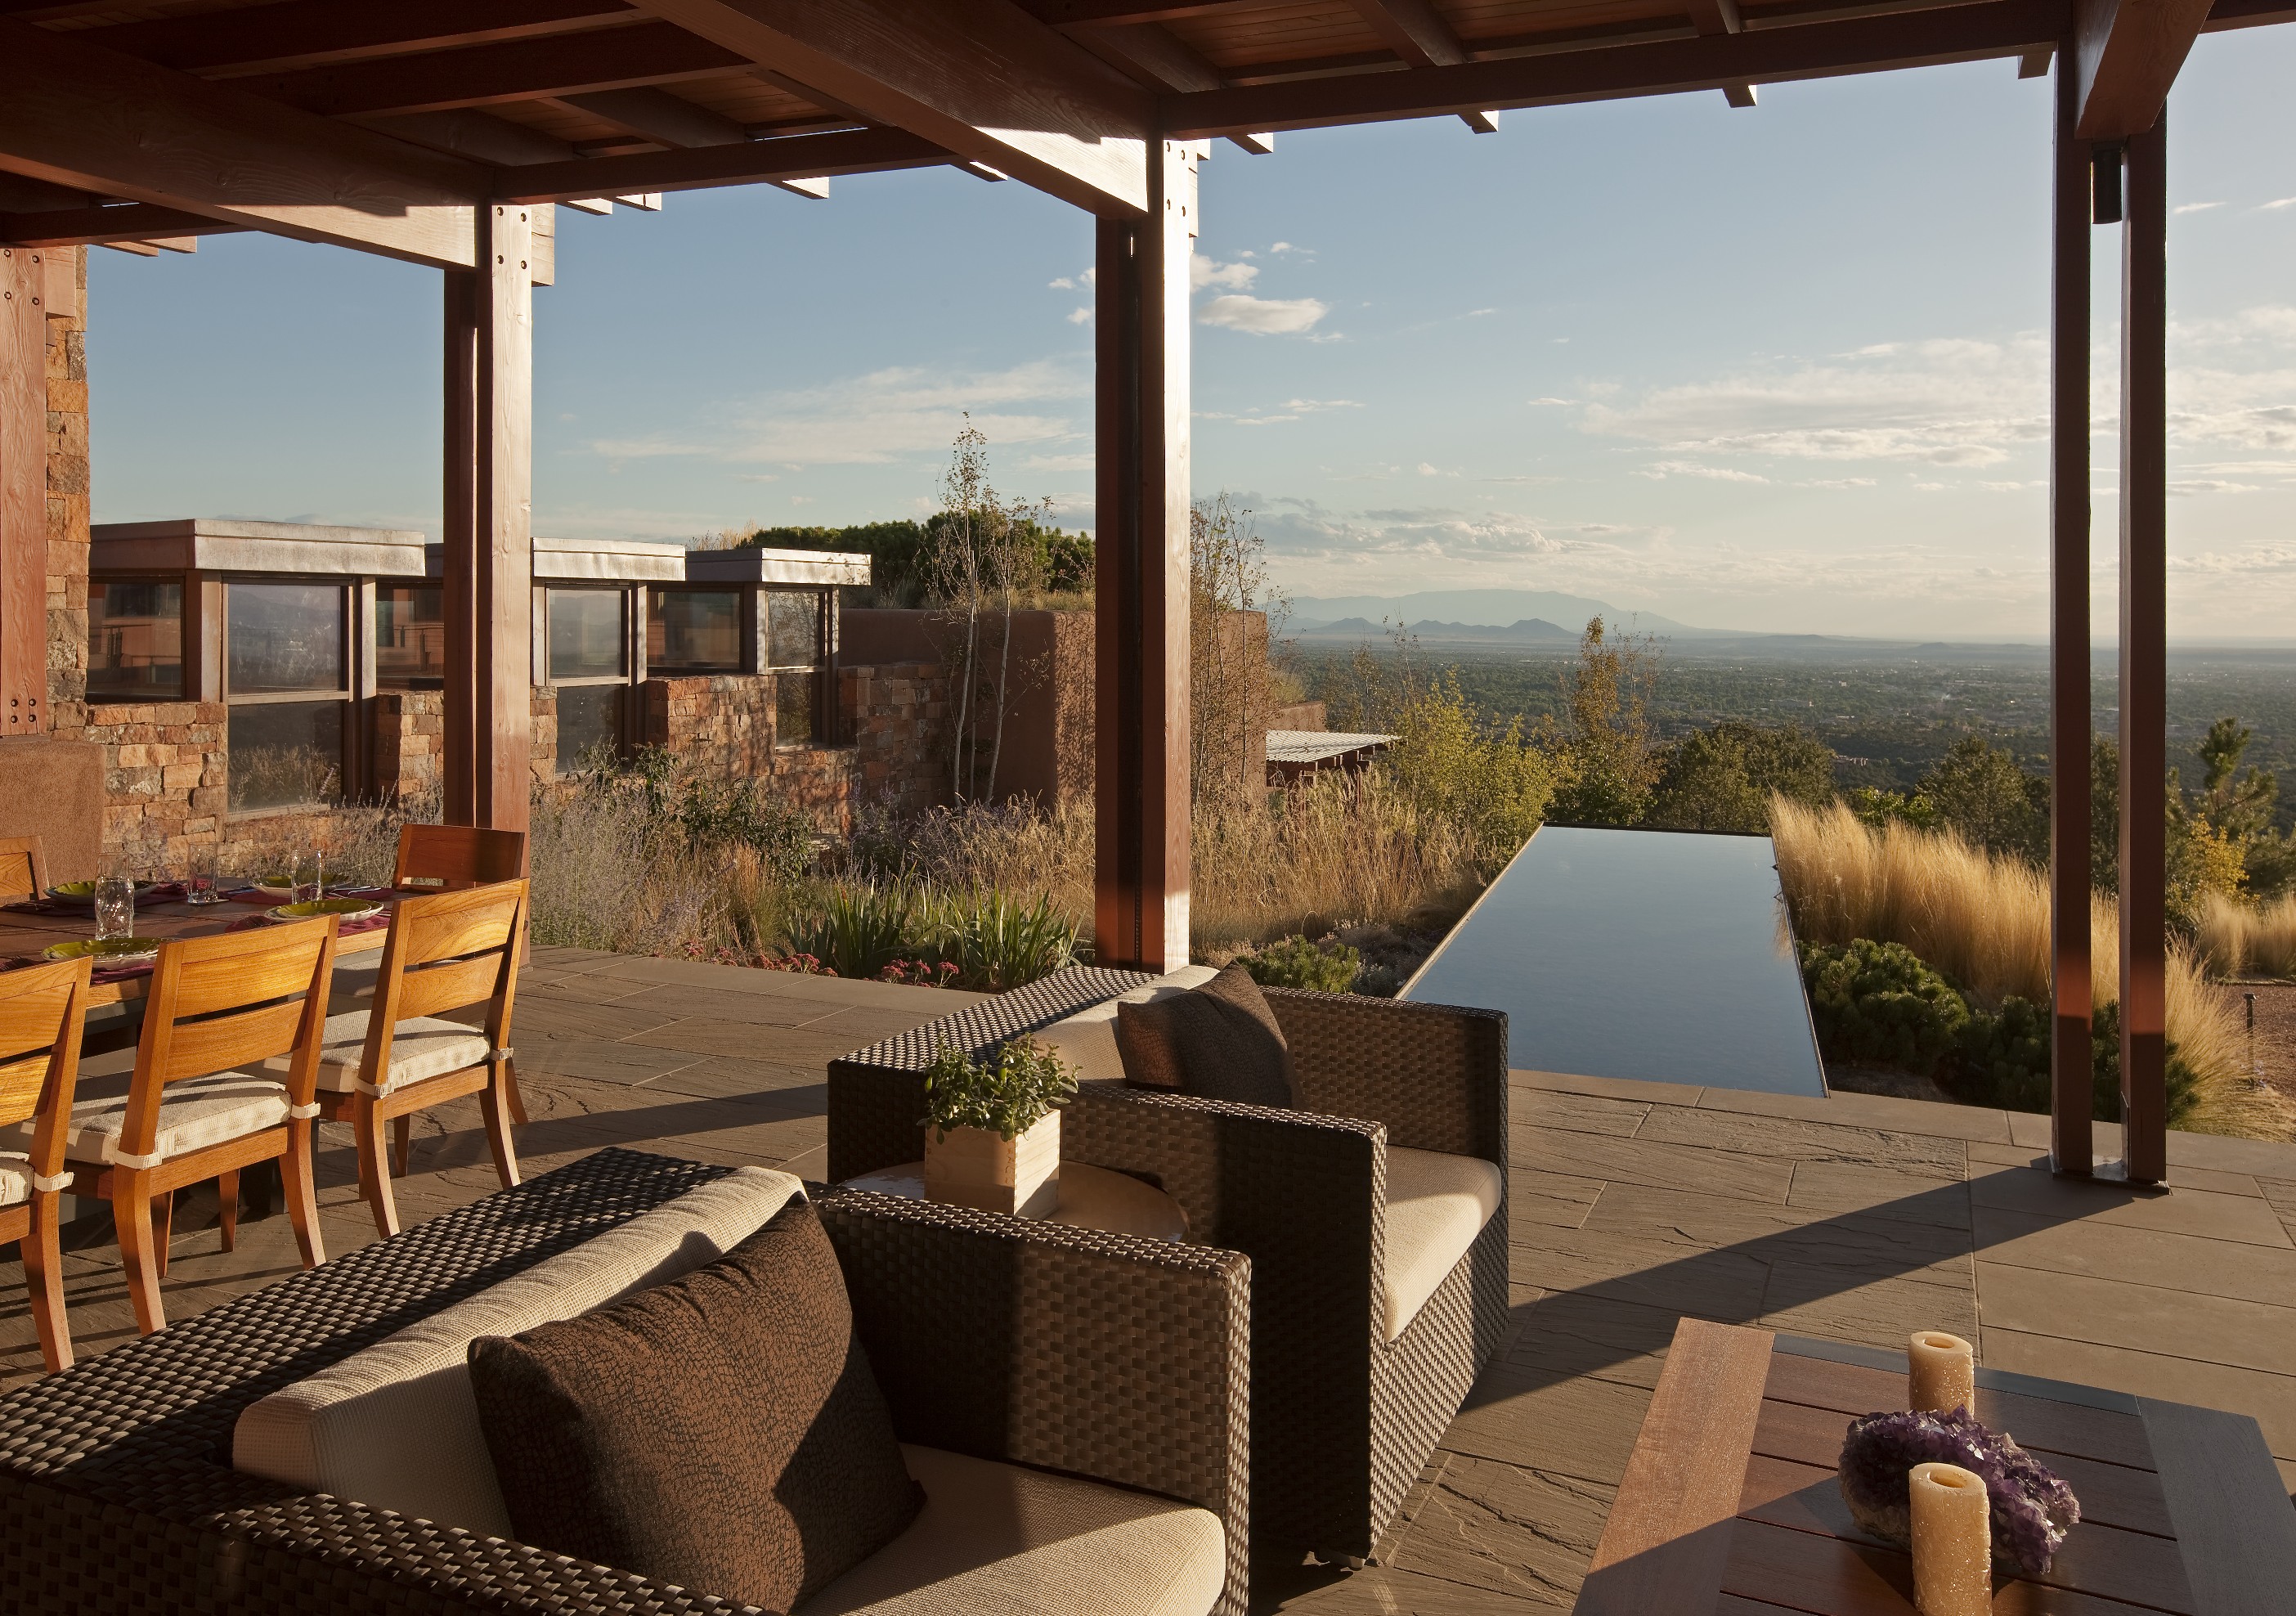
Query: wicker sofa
{"points": [[1343, 1417], [1099, 1357]]}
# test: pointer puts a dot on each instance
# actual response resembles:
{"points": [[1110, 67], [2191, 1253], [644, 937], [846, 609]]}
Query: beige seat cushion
{"points": [[15, 1178], [1086, 1040], [195, 1112], [422, 1046], [1437, 1203], [396, 1425], [995, 1539]]}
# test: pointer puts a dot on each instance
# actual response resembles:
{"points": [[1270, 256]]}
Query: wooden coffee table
{"points": [[1731, 1505]]}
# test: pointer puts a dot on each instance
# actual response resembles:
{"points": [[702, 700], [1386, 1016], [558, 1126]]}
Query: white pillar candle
{"points": [[1953, 1541], [1940, 1371]]}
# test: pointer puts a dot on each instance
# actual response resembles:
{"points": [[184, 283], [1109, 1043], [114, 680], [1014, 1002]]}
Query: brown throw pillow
{"points": [[722, 1432], [1219, 1042]]}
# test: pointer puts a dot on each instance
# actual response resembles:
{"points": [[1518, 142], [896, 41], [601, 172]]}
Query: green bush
{"points": [[859, 928], [1878, 1004], [995, 940], [1329, 967], [2005, 1057], [1006, 1095]]}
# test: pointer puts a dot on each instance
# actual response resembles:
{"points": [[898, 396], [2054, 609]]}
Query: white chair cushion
{"points": [[15, 1178], [195, 1112], [422, 1046], [994, 1539], [396, 1425], [1437, 1203], [1086, 1040]]}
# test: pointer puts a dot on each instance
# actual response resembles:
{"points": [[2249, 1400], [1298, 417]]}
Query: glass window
{"points": [[285, 754], [589, 720], [410, 635], [793, 708], [135, 642], [792, 629], [586, 634], [693, 631], [284, 637]]}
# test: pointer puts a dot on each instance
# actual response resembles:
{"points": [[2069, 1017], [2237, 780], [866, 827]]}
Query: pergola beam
{"points": [[74, 114], [306, 33], [982, 78], [520, 70], [2125, 55], [1814, 50], [106, 227], [794, 157]]}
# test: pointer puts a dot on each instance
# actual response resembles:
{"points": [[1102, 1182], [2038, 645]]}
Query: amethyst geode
{"points": [[2032, 1506]]}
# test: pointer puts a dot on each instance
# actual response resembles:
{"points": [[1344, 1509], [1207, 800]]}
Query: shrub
{"points": [[1329, 967], [1878, 1004], [995, 940], [2005, 1057], [1453, 769], [1723, 778], [1006, 1095], [859, 928], [2241, 940]]}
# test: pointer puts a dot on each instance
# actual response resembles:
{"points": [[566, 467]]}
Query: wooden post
{"points": [[2144, 657], [1141, 857], [2069, 877], [23, 494], [489, 542]]}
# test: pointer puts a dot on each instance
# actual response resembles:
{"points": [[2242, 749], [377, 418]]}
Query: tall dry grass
{"points": [[1984, 922], [2241, 940]]}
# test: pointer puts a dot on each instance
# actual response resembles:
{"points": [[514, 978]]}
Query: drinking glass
{"points": [[310, 877], [199, 883], [115, 907]]}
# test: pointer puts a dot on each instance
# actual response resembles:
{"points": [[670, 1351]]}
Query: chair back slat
{"points": [[245, 1037], [23, 869], [41, 1008], [447, 858], [455, 932], [205, 986], [450, 986]]}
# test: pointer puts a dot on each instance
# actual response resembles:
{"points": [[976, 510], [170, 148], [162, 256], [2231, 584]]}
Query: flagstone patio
{"points": [[1857, 1219]]}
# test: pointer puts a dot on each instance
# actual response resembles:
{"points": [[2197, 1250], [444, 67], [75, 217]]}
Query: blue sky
{"points": [[1780, 368]]}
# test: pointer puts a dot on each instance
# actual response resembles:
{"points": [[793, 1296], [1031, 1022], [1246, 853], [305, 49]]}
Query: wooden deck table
{"points": [[116, 1009], [1731, 1505]]}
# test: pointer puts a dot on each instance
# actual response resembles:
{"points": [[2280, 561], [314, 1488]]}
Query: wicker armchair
{"points": [[1342, 1418], [1104, 1356]]}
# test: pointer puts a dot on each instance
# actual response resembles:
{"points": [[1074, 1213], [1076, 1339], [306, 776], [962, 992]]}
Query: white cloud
{"points": [[1079, 316], [1552, 401], [1287, 247], [2194, 207], [1665, 469], [1264, 317], [1204, 271], [2285, 202], [2010, 487], [1066, 283], [757, 477], [876, 418], [1059, 463], [2188, 487], [1428, 471], [1477, 314], [1840, 482]]}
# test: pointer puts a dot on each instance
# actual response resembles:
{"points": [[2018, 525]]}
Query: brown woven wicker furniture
{"points": [[1342, 1417], [383, 1064], [40, 1011], [1099, 1356]]}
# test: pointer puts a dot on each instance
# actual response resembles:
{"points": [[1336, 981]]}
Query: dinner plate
{"points": [[349, 908], [107, 950], [82, 893]]}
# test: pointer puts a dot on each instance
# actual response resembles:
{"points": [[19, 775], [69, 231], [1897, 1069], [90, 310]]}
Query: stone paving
{"points": [[1857, 1218]]}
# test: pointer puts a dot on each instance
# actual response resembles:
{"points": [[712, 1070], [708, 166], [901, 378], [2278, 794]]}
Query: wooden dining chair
{"points": [[443, 857], [201, 1104], [23, 868], [445, 951], [41, 1010]]}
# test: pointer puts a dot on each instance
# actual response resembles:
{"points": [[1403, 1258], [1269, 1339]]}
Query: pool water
{"points": [[1658, 955]]}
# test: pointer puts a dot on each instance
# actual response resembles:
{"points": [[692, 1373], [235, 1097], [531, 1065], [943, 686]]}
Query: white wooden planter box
{"points": [[976, 1167]]}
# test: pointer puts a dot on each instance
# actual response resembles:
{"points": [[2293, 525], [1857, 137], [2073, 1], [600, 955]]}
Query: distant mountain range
{"points": [[1536, 616]]}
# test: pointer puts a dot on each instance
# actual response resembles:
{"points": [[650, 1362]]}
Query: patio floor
{"points": [[1857, 1218]]}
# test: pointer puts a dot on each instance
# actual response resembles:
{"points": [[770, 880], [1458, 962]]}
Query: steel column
{"points": [[2071, 1146], [2144, 657]]}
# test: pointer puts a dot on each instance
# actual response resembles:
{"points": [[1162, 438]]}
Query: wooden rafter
{"points": [[74, 114], [1814, 50], [106, 227], [2125, 55], [986, 81], [310, 33], [752, 163], [520, 70], [1150, 54]]}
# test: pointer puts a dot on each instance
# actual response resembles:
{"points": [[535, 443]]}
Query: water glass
{"points": [[310, 877], [199, 883], [115, 907]]}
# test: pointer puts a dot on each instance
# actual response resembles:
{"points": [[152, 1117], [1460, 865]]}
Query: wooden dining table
{"points": [[115, 1010]]}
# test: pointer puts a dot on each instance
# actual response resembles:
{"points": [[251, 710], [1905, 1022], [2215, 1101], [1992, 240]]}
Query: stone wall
{"points": [[163, 779], [409, 741], [899, 715], [716, 723]]}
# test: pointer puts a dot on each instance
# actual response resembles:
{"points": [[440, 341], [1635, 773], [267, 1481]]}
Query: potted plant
{"points": [[993, 1128]]}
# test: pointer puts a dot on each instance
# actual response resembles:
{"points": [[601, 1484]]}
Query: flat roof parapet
{"points": [[813, 567], [214, 543]]}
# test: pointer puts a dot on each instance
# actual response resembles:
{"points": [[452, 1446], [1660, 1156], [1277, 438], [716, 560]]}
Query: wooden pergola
{"points": [[440, 131]]}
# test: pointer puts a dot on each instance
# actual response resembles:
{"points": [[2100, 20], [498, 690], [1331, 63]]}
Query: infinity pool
{"points": [[1658, 955]]}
